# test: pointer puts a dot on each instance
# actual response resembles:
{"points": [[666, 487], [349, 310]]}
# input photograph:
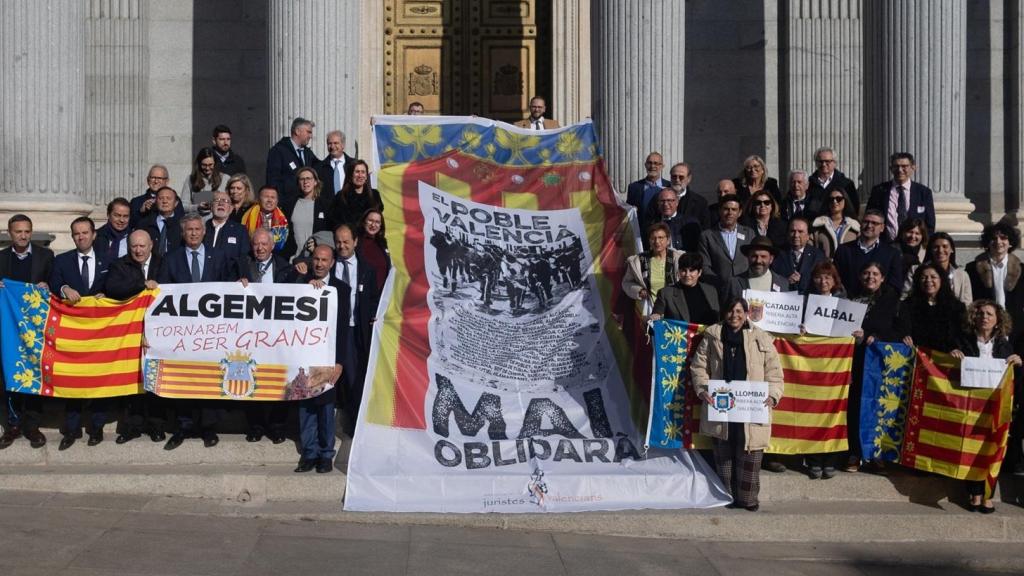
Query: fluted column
{"points": [[42, 104], [1016, 110], [637, 51], [115, 120], [914, 85], [825, 83], [570, 46], [314, 49]]}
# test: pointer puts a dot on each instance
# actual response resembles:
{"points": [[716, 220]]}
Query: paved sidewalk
{"points": [[119, 535]]}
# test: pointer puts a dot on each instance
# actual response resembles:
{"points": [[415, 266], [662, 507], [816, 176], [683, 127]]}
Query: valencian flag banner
{"points": [[673, 341], [498, 379], [888, 367], [935, 425], [89, 350]]}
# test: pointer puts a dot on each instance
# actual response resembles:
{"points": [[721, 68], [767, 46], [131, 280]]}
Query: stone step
{"points": [[236, 483]]}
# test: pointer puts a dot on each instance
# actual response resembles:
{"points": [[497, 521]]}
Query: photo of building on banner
{"points": [[496, 384], [223, 341]]}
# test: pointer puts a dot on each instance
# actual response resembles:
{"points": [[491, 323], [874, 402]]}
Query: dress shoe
{"points": [[127, 436], [253, 437], [305, 465], [174, 441], [753, 508], [277, 437], [983, 509], [10, 435], [67, 441], [828, 473], [972, 507], [95, 438], [324, 465], [775, 466], [35, 438], [814, 472], [210, 440], [157, 436]]}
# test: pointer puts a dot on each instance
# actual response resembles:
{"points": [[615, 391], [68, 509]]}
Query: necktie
{"points": [[196, 274], [538, 124], [302, 158], [345, 272], [162, 243], [337, 176], [85, 272], [901, 208], [798, 206], [263, 269]]}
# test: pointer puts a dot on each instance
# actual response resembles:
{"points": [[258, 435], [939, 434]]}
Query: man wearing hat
{"points": [[760, 253]]}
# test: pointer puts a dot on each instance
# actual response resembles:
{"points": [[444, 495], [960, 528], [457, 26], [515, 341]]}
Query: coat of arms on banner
{"points": [[238, 375], [756, 310], [724, 400]]}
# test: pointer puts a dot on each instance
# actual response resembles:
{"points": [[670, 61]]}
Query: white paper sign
{"points": [[778, 312], [738, 401], [831, 316], [982, 372]]}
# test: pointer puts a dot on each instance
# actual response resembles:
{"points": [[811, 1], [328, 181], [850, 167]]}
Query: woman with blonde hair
{"points": [[754, 178], [306, 213], [239, 189]]}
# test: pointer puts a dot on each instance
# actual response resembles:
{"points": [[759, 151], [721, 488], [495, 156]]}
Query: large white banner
{"points": [[225, 341], [526, 408]]}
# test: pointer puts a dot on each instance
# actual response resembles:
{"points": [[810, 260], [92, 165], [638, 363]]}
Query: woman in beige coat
{"points": [[736, 350]]}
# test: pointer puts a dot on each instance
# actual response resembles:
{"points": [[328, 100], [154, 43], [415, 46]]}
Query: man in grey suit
{"points": [[759, 276], [721, 246]]}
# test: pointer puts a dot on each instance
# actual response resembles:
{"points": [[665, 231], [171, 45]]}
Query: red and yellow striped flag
{"points": [[206, 380], [953, 431], [811, 417], [93, 349]]}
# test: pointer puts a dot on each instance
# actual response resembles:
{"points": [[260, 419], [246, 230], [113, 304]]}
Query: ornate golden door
{"points": [[483, 57]]}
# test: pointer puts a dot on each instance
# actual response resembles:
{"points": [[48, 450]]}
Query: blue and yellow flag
{"points": [[888, 367], [673, 341]]}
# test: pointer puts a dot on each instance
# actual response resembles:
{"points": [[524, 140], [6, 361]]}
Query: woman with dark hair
{"points": [[913, 241], [239, 189], [837, 225], [762, 215], [736, 350], [879, 323], [688, 299], [754, 178], [986, 335], [197, 192], [931, 316], [650, 271], [373, 246], [306, 213], [355, 198]]}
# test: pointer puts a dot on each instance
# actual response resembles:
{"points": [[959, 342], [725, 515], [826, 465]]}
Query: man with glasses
{"points": [[691, 204], [641, 194], [223, 233], [900, 198], [685, 230], [868, 247], [826, 178], [799, 201], [142, 205]]}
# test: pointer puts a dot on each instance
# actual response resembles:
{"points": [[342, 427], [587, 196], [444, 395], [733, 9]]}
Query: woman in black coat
{"points": [[931, 316], [985, 335]]}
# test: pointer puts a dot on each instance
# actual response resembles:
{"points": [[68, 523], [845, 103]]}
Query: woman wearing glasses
{"points": [[837, 226], [762, 215]]}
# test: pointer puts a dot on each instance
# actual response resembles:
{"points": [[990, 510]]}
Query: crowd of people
{"points": [[319, 221], [816, 238]]}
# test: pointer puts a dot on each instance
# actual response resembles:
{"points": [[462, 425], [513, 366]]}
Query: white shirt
{"points": [[985, 348], [824, 182], [353, 273], [91, 264], [999, 280], [268, 274], [145, 267], [216, 230], [25, 254]]}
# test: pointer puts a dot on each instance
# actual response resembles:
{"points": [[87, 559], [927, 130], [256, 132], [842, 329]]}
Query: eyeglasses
{"points": [[825, 161], [157, 178], [668, 201], [762, 203], [871, 223], [837, 199], [222, 201], [679, 176]]}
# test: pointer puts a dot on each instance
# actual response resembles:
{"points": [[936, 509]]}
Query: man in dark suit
{"points": [[265, 267], [826, 179], [685, 229], [228, 161], [316, 415], [721, 246], [143, 204], [799, 201], [195, 263], [112, 238], [288, 155], [24, 262], [224, 234], [355, 333], [799, 258], [162, 224], [760, 254], [900, 198], [78, 273], [127, 277], [335, 167], [691, 203], [868, 247], [641, 194]]}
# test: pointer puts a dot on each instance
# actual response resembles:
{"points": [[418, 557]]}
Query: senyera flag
{"points": [[88, 350], [499, 378]]}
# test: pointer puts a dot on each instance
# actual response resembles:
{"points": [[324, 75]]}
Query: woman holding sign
{"points": [[985, 335], [736, 350]]}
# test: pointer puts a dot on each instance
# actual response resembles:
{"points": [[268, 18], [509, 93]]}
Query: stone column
{"points": [[570, 46], [914, 87], [315, 60], [115, 120], [42, 80], [824, 84], [1015, 109], [637, 56]]}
